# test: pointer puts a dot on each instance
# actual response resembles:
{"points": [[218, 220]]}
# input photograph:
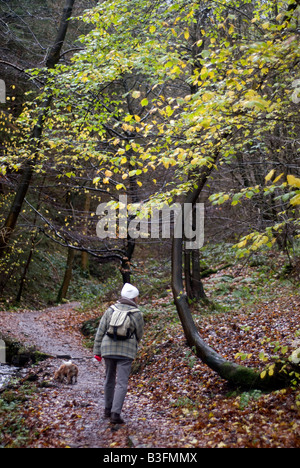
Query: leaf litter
{"points": [[173, 400]]}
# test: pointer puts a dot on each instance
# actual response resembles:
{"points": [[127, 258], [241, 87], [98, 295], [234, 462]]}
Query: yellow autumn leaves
{"points": [[292, 181]]}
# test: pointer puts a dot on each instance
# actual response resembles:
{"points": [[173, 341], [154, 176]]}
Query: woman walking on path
{"points": [[120, 330]]}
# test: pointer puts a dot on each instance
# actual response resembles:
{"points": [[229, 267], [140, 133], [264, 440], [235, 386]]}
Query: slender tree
{"points": [[28, 170]]}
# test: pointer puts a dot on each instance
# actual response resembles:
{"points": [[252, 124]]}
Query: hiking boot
{"points": [[116, 419], [107, 413]]}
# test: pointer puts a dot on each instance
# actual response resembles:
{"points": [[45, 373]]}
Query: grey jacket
{"points": [[107, 347]]}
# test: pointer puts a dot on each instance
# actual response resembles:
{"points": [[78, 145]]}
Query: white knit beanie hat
{"points": [[129, 291]]}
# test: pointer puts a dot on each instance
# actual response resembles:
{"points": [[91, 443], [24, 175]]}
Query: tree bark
{"points": [[68, 276], [53, 58], [194, 286], [290, 11], [85, 255], [54, 54]]}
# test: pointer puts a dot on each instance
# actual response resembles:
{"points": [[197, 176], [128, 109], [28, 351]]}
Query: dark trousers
{"points": [[116, 383]]}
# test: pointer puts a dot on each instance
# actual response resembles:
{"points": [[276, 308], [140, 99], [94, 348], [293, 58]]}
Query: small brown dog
{"points": [[67, 370]]}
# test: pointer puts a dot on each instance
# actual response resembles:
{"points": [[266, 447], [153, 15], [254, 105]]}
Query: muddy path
{"points": [[72, 415]]}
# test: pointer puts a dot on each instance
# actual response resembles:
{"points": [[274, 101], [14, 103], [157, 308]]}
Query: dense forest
{"points": [[124, 123], [156, 102]]}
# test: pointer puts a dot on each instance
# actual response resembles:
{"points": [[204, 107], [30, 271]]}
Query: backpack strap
{"points": [[115, 307]]}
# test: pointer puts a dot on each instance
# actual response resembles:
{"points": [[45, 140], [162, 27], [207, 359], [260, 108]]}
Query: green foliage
{"points": [[14, 432], [191, 358], [135, 53], [247, 397]]}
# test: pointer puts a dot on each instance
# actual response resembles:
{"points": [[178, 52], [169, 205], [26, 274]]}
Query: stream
{"points": [[6, 373]]}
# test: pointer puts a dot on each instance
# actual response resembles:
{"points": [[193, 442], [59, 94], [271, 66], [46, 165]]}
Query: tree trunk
{"points": [[235, 374], [194, 286], [68, 276], [34, 238], [130, 247], [53, 58], [85, 262], [125, 268], [85, 255], [21, 192], [26, 268], [54, 54]]}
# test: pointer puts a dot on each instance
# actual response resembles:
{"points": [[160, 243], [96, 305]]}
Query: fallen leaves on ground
{"points": [[173, 400], [204, 410]]}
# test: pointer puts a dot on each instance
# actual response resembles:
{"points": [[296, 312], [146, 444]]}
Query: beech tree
{"points": [[242, 108]]}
